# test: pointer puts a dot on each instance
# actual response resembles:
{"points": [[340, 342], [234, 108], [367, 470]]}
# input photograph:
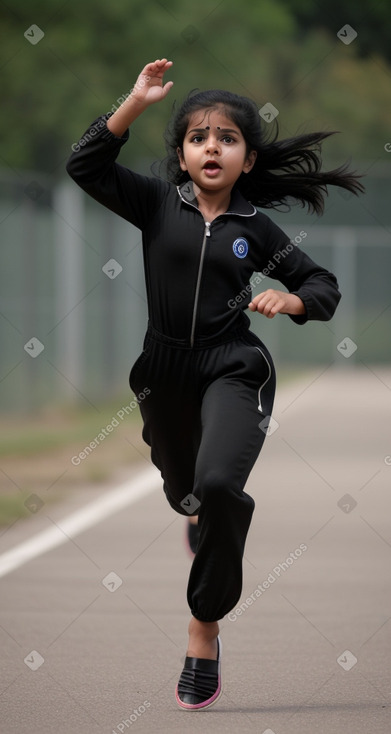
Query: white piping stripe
{"points": [[267, 379], [88, 516]]}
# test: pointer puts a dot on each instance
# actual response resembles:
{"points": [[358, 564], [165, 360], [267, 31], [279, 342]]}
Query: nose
{"points": [[212, 145]]}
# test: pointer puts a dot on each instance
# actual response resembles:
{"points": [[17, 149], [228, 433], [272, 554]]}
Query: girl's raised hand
{"points": [[149, 85], [147, 90]]}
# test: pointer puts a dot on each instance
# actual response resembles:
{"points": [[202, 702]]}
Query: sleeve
{"points": [[316, 286], [93, 167]]}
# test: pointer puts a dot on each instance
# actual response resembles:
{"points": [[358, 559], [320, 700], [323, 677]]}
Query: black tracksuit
{"points": [[211, 380]]}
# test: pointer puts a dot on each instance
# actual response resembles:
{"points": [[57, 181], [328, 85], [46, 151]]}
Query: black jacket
{"points": [[198, 275]]}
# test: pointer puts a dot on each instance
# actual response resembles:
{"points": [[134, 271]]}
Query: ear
{"points": [[249, 162], [181, 159]]}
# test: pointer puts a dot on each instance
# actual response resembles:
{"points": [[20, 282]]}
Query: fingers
{"points": [[268, 303], [166, 88], [158, 66]]}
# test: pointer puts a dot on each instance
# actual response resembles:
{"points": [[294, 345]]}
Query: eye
{"points": [[228, 139], [197, 139]]}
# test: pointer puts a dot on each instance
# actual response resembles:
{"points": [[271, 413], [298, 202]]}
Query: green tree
{"points": [[91, 54], [371, 21]]}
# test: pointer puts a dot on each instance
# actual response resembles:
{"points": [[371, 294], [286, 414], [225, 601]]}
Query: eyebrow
{"points": [[222, 130]]}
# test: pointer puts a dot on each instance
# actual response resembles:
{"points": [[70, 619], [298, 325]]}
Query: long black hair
{"points": [[284, 169]]}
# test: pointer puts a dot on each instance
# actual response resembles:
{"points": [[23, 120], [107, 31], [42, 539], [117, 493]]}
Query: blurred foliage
{"points": [[283, 51], [371, 21]]}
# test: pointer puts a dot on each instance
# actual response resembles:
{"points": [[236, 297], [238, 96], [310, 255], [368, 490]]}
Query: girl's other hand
{"points": [[149, 85], [271, 302]]}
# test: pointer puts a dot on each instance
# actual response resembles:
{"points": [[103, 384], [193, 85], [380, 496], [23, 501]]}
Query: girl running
{"points": [[211, 380]]}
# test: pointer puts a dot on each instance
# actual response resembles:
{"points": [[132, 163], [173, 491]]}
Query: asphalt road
{"points": [[309, 648]]}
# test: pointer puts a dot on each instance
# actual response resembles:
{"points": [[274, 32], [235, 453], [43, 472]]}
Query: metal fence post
{"points": [[68, 208], [345, 267]]}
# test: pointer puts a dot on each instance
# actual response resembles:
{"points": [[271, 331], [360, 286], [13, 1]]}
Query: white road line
{"points": [[110, 503]]}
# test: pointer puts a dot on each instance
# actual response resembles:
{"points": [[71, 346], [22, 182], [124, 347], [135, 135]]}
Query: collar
{"points": [[238, 204]]}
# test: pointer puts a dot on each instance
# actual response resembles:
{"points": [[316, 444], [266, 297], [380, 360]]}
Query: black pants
{"points": [[202, 421]]}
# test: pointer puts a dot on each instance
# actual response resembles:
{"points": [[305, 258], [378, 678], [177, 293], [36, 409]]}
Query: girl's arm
{"points": [[93, 166], [313, 292]]}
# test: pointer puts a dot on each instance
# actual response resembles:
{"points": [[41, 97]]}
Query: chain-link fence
{"points": [[73, 304]]}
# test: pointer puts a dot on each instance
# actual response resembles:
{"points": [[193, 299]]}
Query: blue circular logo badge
{"points": [[240, 247]]}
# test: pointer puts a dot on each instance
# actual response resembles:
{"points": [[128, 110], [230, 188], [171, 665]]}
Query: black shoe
{"points": [[192, 537], [199, 685]]}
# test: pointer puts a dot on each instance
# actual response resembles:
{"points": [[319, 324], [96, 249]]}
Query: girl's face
{"points": [[214, 151]]}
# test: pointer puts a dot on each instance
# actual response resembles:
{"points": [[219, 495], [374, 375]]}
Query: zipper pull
{"points": [[207, 227]]}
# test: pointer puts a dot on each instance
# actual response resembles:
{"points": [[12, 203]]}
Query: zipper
{"points": [[197, 292], [200, 267]]}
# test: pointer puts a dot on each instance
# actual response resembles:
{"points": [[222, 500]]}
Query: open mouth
{"points": [[211, 168], [212, 165]]}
